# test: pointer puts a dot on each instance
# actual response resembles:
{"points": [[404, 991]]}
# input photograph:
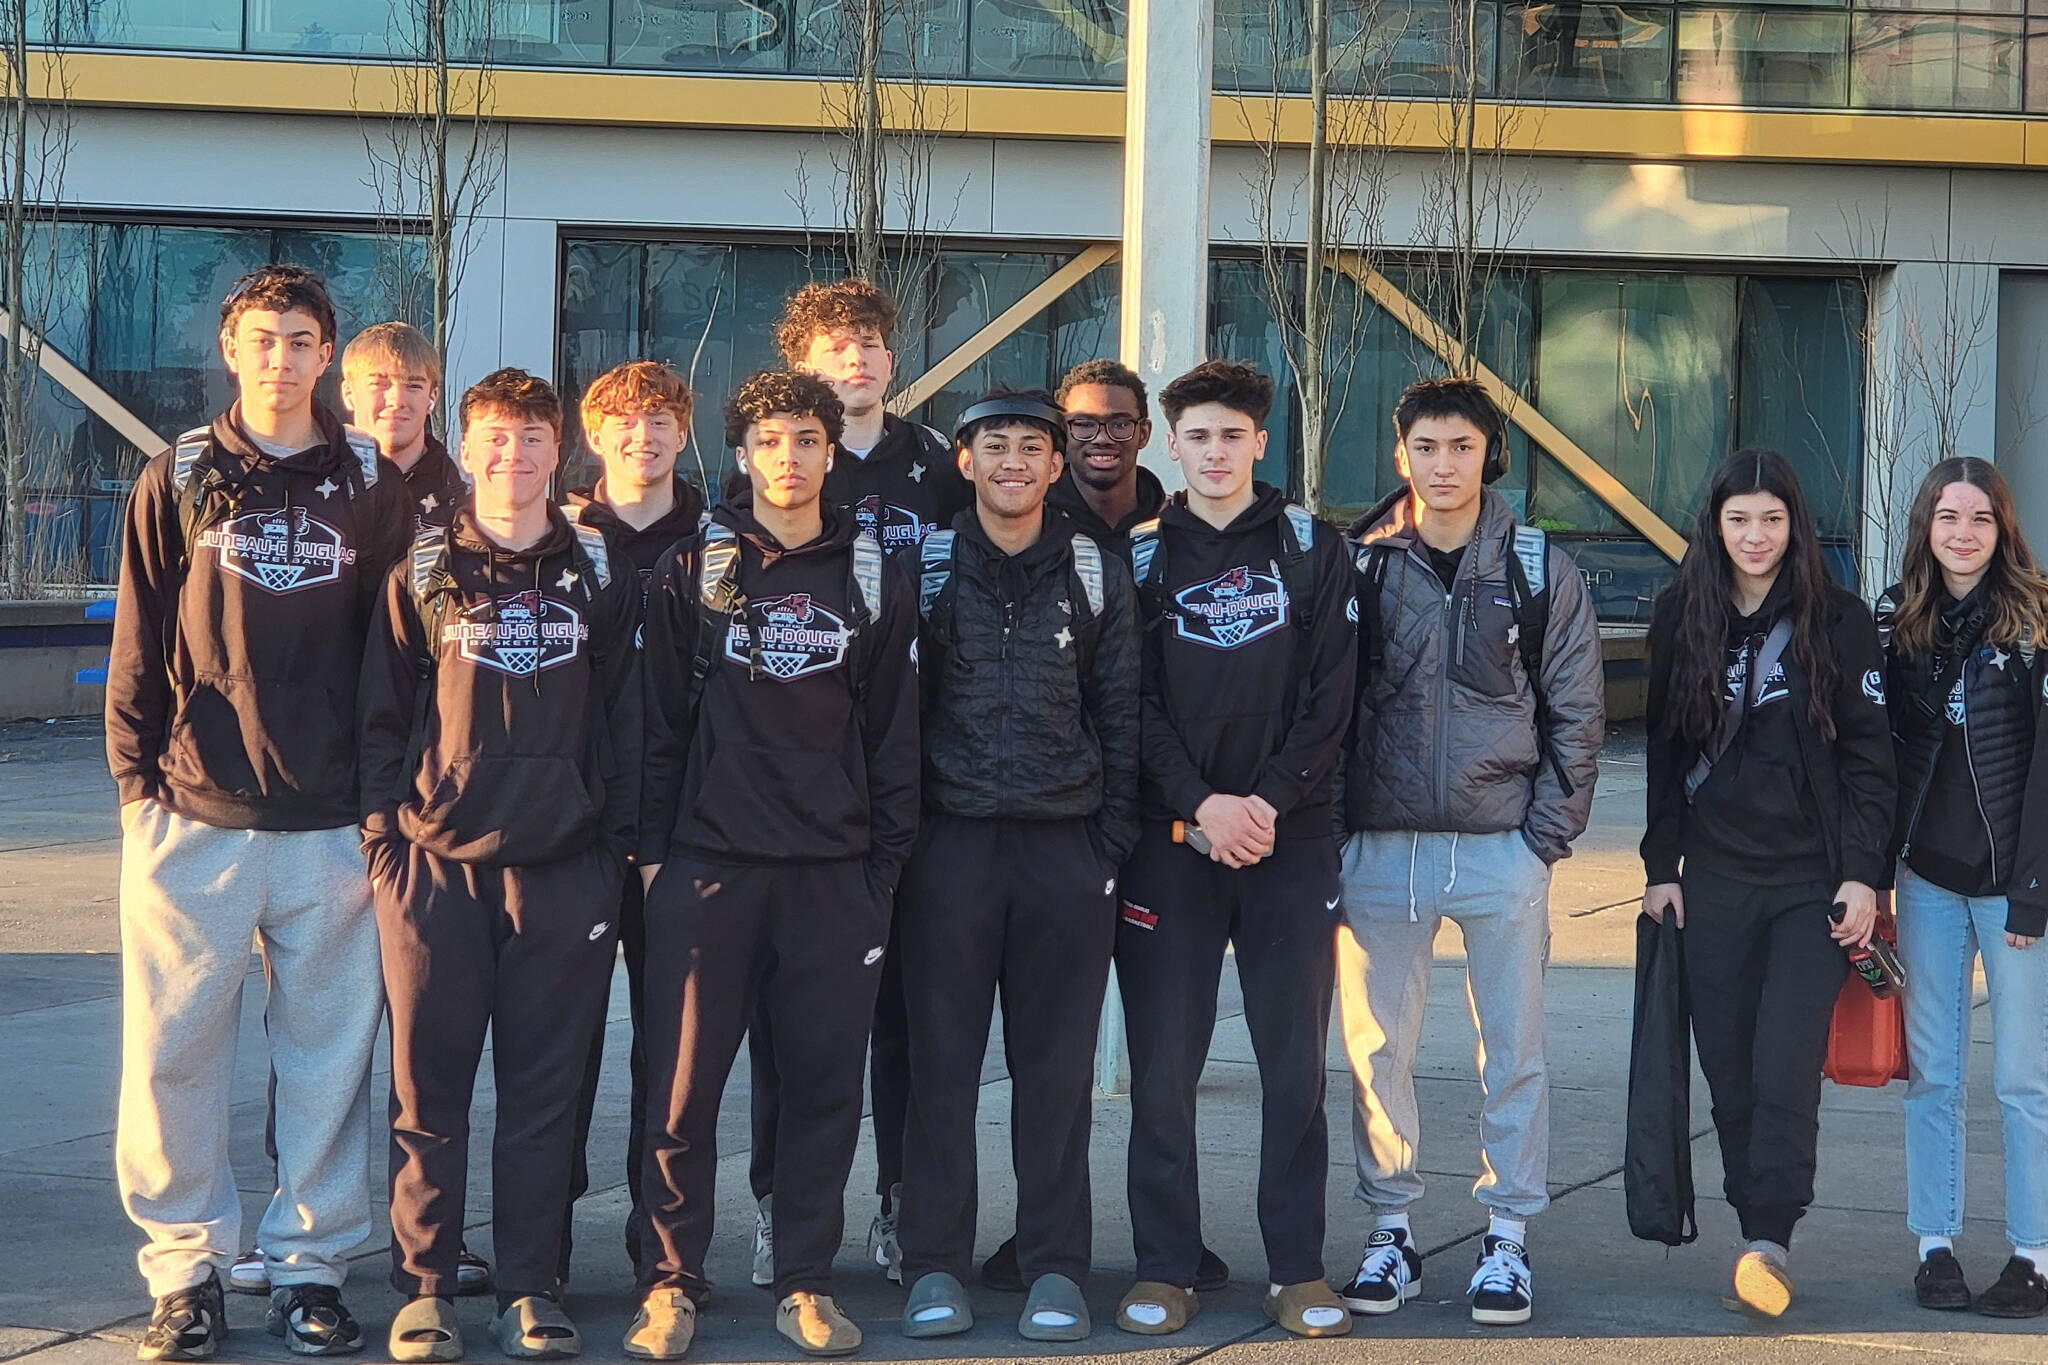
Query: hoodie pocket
{"points": [[257, 739], [1483, 641], [509, 808], [781, 803]]}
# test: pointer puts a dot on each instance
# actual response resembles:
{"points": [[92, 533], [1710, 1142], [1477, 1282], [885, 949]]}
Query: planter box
{"points": [[53, 658]]}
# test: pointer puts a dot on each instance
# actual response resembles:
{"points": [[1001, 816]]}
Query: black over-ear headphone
{"points": [[1496, 451]]}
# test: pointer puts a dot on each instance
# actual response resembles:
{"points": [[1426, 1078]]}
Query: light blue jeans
{"points": [[1940, 936]]}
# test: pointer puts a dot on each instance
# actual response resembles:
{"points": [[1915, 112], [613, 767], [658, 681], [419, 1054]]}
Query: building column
{"points": [[1165, 288], [2023, 396]]}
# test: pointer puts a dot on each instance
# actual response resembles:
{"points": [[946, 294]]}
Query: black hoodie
{"points": [[1223, 708], [640, 547], [1066, 495], [231, 679], [779, 764], [436, 485], [530, 750], [1782, 805], [902, 490]]}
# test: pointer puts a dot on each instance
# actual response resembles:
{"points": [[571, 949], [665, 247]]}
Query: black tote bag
{"points": [[1656, 1168]]}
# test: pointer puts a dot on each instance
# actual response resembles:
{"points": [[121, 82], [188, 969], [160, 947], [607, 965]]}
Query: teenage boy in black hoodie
{"points": [[391, 385], [500, 740], [1250, 664], [780, 803], [1105, 491], [1030, 650], [636, 420], [251, 560], [899, 481]]}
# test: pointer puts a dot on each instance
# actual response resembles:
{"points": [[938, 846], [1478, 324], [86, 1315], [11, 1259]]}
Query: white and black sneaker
{"points": [[1500, 1288], [188, 1324], [312, 1320], [764, 1243], [883, 1247], [248, 1275], [1389, 1274]]}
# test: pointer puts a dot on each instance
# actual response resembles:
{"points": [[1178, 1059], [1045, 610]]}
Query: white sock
{"points": [[1394, 1221], [1930, 1245], [2038, 1255], [1516, 1230], [1775, 1252]]}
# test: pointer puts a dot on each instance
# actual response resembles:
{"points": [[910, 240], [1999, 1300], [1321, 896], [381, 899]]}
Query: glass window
{"points": [[215, 25], [537, 31], [1412, 49], [1800, 388], [1906, 61], [1258, 42], [2037, 69], [366, 27], [1050, 41], [1586, 52], [924, 38], [702, 35], [1733, 56]]}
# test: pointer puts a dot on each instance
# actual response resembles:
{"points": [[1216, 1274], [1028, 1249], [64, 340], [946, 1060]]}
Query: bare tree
{"points": [[1341, 194], [35, 140], [437, 157]]}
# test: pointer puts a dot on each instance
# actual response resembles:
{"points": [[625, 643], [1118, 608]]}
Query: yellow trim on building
{"points": [[527, 95]]}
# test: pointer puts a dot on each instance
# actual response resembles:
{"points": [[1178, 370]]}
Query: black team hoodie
{"points": [[803, 746], [902, 490], [231, 679], [1223, 708], [531, 739], [1782, 805], [1066, 496], [436, 485], [641, 548]]}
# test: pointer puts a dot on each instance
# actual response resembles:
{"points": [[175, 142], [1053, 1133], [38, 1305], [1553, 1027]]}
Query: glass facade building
{"points": [[1962, 56]]}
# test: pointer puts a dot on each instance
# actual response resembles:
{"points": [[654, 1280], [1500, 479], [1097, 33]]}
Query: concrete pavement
{"points": [[69, 1293]]}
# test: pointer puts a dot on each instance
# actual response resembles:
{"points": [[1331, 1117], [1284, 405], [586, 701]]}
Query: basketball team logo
{"points": [[282, 550], [1232, 609], [788, 637], [892, 527], [532, 633]]}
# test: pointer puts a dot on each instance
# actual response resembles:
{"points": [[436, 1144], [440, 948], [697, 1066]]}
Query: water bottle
{"points": [[1877, 963]]}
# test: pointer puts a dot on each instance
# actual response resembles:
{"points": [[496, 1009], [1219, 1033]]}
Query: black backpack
{"points": [[935, 581], [1529, 592]]}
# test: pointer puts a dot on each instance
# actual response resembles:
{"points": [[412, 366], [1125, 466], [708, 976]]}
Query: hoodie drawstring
{"points": [[1414, 842], [1452, 884]]}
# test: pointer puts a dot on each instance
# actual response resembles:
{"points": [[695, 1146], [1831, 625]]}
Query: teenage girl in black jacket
{"points": [[1964, 630], [1770, 800]]}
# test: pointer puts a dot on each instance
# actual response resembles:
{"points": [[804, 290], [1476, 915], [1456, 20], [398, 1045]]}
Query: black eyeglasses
{"points": [[1086, 428]]}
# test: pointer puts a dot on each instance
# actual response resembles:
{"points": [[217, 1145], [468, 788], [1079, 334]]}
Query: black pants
{"points": [[1180, 910], [807, 941], [525, 952], [633, 946], [888, 1085], [1764, 974], [1027, 909]]}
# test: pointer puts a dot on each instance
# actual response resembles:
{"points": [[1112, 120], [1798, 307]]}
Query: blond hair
{"points": [[397, 348]]}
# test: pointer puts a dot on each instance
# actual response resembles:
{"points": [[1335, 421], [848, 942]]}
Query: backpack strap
{"points": [[1371, 563], [1088, 568], [430, 582], [1297, 564], [363, 446], [866, 598], [186, 453], [1529, 587], [934, 570], [597, 552], [189, 485], [1148, 567]]}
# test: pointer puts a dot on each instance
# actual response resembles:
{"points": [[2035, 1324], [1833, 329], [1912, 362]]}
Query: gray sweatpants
{"points": [[193, 898], [1398, 886]]}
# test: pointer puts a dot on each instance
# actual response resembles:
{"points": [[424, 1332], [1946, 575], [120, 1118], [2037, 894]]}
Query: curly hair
{"points": [[512, 392], [633, 388], [1109, 374], [279, 289], [820, 309], [788, 391], [1237, 387]]}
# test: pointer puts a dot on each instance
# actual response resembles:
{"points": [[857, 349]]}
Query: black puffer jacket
{"points": [[2002, 710], [1028, 713]]}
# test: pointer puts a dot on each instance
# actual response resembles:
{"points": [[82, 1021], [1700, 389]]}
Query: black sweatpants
{"points": [[1763, 974], [1179, 911], [1025, 908], [888, 1085], [633, 947], [808, 941], [525, 952]]}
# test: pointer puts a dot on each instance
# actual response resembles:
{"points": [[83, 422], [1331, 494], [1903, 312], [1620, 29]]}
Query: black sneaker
{"points": [[1000, 1273], [2019, 1293], [1500, 1287], [1389, 1274], [187, 1325], [1938, 1284], [312, 1320]]}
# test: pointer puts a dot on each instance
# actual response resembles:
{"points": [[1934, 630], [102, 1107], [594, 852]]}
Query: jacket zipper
{"points": [[1970, 758], [1443, 687]]}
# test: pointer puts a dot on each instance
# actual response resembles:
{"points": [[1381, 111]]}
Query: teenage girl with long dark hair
{"points": [[1964, 630], [1770, 800]]}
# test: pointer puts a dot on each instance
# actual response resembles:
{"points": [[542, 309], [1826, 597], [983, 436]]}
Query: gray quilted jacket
{"points": [[1446, 736]]}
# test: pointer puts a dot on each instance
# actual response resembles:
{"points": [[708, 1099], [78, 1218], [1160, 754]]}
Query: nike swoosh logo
{"points": [[597, 930]]}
